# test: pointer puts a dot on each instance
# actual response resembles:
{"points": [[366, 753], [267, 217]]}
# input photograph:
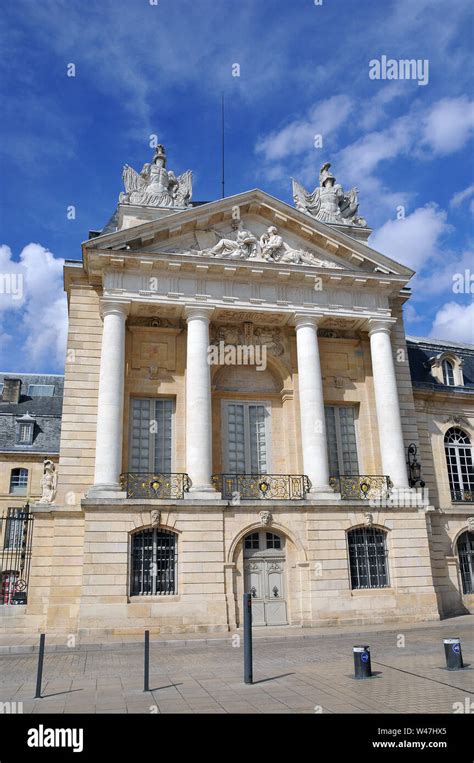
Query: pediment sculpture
{"points": [[155, 186], [328, 203], [242, 244]]}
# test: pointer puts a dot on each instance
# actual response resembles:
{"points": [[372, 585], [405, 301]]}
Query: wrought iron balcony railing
{"points": [[151, 485], [282, 487], [361, 487], [460, 496]]}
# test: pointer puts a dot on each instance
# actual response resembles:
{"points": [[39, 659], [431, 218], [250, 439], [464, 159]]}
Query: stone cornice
{"points": [[159, 265], [253, 203]]}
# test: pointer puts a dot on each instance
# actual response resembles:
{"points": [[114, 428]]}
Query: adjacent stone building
{"points": [[30, 427], [239, 415], [443, 389]]}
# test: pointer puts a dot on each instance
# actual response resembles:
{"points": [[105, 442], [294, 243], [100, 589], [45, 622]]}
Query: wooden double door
{"points": [[265, 577]]}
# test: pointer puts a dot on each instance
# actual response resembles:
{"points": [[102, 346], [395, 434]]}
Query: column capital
{"points": [[380, 325], [110, 305], [198, 311], [307, 319]]}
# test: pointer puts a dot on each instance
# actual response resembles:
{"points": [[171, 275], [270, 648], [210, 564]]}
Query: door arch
{"points": [[264, 556]]}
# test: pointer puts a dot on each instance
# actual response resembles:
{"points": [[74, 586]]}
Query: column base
{"points": [[202, 492], [323, 493], [106, 490]]}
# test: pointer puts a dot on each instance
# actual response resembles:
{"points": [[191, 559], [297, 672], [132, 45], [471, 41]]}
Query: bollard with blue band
{"points": [[362, 666], [452, 650]]}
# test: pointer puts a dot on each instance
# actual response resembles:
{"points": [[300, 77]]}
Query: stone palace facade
{"points": [[238, 415]]}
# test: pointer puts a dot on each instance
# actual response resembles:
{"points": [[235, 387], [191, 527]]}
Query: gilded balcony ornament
{"points": [[149, 485]]}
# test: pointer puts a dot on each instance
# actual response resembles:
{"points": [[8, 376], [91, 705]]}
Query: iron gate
{"points": [[17, 526]]}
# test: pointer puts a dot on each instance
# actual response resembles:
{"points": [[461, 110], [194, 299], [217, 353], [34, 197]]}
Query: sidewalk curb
{"points": [[297, 634]]}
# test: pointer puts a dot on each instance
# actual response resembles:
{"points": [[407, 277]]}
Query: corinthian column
{"points": [[198, 402], [386, 403], [108, 453], [312, 415]]}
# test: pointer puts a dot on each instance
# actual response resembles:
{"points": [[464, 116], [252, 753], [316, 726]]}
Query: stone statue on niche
{"points": [[48, 482]]}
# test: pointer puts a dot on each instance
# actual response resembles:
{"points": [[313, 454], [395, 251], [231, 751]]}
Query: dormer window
{"points": [[25, 427], [446, 368], [448, 373]]}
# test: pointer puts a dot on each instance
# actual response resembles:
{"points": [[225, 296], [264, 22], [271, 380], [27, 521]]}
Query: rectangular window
{"points": [[246, 437], [151, 424], [341, 438], [19, 482], [40, 390]]}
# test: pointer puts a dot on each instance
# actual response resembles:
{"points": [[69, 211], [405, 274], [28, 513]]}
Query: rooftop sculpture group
{"points": [[155, 186], [328, 203]]}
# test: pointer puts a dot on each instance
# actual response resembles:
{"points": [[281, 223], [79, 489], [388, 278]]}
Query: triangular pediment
{"points": [[252, 226]]}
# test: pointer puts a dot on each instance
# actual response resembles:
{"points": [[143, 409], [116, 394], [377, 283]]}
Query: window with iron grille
{"points": [[457, 446], [466, 561], [14, 528], [154, 563], [18, 481], [368, 558]]}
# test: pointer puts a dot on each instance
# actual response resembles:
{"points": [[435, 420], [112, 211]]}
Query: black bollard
{"points": [[362, 667], [146, 685], [39, 674], [248, 666], [452, 650]]}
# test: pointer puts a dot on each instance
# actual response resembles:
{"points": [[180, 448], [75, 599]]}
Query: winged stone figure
{"points": [[328, 203], [155, 185]]}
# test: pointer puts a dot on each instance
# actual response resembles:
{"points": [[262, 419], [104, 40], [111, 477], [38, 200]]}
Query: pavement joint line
{"points": [[425, 678]]}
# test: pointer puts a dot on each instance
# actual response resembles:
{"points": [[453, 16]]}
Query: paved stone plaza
{"points": [[295, 671]]}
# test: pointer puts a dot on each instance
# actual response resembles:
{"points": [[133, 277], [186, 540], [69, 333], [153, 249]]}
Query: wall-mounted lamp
{"points": [[414, 467]]}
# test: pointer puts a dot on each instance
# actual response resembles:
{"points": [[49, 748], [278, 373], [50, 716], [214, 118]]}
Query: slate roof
{"points": [[45, 410], [421, 349]]}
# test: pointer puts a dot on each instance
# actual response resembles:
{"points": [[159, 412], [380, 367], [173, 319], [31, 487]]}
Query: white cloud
{"points": [[458, 198], [414, 239], [454, 322], [448, 125], [438, 276], [410, 314], [323, 118], [40, 328]]}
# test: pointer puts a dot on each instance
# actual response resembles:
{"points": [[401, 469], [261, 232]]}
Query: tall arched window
{"points": [[458, 450], [466, 561], [154, 563], [18, 481], [368, 558], [448, 373]]}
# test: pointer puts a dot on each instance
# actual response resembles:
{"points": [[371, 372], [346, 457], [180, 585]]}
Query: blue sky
{"points": [[144, 69]]}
